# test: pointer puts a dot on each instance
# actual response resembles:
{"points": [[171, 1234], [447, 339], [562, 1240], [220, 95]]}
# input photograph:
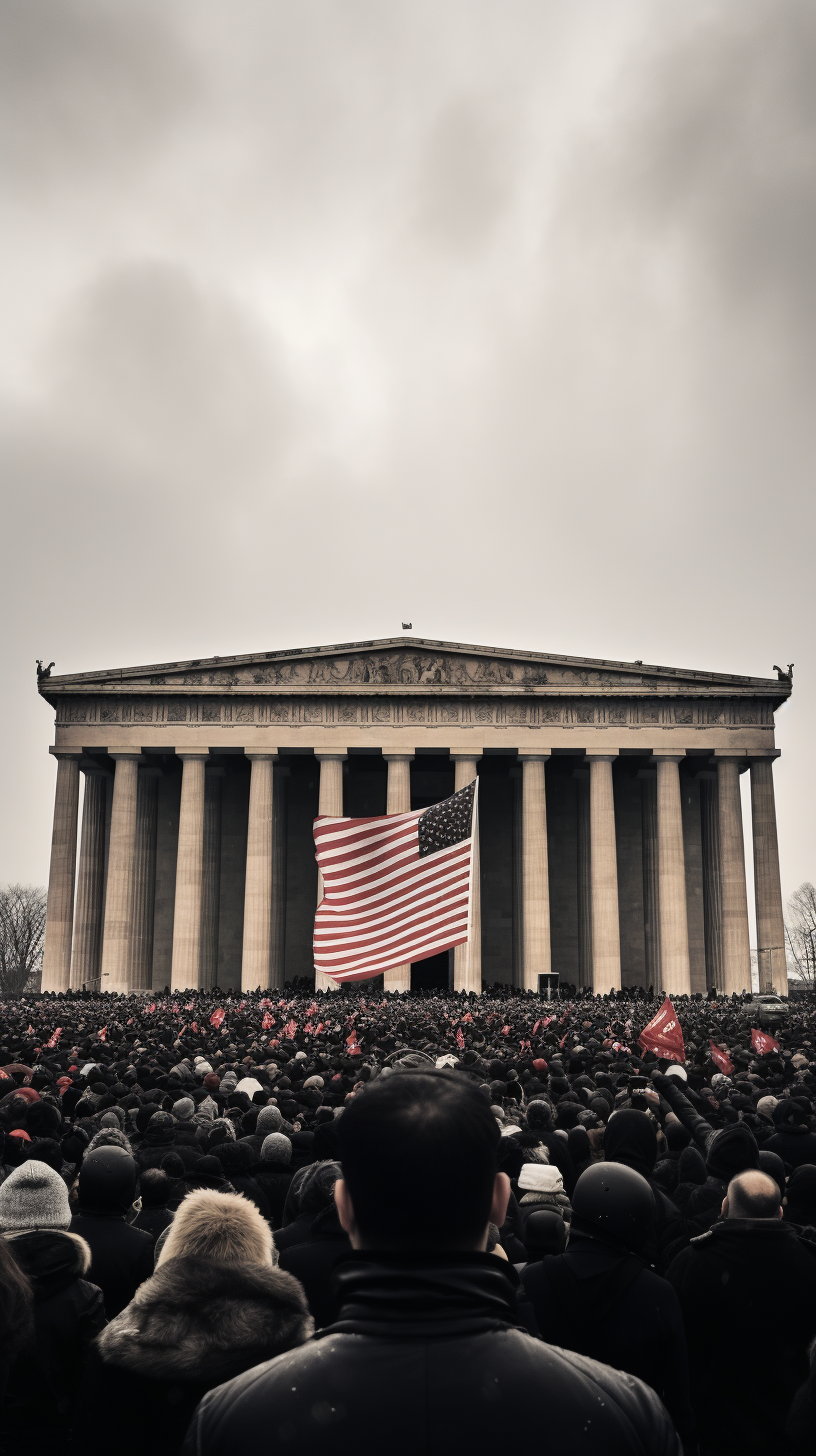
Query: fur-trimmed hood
{"points": [[51, 1258], [198, 1321]]}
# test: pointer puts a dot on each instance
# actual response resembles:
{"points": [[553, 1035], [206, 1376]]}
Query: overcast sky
{"points": [[318, 315]]}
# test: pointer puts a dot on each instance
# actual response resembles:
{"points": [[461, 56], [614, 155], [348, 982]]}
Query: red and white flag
{"points": [[55, 1038], [763, 1043], [721, 1058], [217, 1017], [663, 1035], [395, 888]]}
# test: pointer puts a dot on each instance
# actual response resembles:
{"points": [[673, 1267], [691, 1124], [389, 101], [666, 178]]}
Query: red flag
{"points": [[194, 1027], [763, 1043], [130, 1021], [55, 1038], [535, 1028], [217, 1017], [313, 1009], [321, 1025], [189, 1006], [505, 1031], [151, 1007], [181, 1033], [663, 1035], [290, 1029], [309, 1029], [30, 1031], [721, 1058], [563, 1039], [103, 1033], [460, 1039], [353, 1045], [175, 1008], [268, 1021], [467, 1016]]}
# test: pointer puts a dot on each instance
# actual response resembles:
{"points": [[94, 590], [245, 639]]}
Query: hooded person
{"points": [[631, 1139], [215, 1306], [731, 1150], [121, 1255], [792, 1139], [599, 1299], [155, 1189], [800, 1198], [158, 1139], [310, 1192], [313, 1260], [68, 1310]]}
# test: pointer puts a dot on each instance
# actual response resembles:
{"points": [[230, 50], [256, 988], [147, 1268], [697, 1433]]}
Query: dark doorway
{"points": [[430, 974]]}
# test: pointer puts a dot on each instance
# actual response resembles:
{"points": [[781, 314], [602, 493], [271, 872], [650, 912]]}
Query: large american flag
{"points": [[395, 889]]}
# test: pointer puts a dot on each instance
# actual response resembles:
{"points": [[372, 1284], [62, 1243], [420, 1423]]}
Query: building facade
{"points": [[611, 845]]}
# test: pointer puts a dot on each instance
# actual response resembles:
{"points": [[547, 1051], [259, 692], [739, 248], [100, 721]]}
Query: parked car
{"points": [[770, 1010]]}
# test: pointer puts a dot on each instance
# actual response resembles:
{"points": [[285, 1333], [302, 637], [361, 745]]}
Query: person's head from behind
{"points": [[155, 1188], [219, 1228], [752, 1194], [419, 1152]]}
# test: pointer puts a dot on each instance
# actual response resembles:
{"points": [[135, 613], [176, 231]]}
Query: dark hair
{"points": [[16, 1303], [155, 1188], [418, 1151], [753, 1195]]}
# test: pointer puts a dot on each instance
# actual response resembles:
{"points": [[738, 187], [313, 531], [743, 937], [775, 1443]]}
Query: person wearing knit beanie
{"points": [[276, 1149], [33, 1197], [269, 1120]]}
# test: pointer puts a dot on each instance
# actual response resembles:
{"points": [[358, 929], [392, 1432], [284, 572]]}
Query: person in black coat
{"points": [[313, 1263], [68, 1311], [730, 1281], [631, 1139], [427, 1349], [792, 1140], [154, 1216], [215, 1306], [121, 1255], [273, 1174], [599, 1299], [727, 1152]]}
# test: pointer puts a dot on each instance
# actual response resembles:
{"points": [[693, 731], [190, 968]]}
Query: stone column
{"points": [[118, 933], [606, 966], [735, 933], [770, 919], [712, 890], [581, 776], [59, 923], [144, 879], [185, 974], [651, 891], [211, 880], [90, 902], [535, 870], [278, 975], [330, 801], [467, 958], [674, 949], [398, 801], [256, 967]]}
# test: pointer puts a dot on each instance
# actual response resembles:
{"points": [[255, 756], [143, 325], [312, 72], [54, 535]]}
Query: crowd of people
{"points": [[310, 1219]]}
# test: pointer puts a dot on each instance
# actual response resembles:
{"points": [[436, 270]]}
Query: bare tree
{"points": [[800, 933], [22, 934]]}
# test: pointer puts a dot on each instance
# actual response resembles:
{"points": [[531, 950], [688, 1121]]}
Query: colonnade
{"points": [[99, 931]]}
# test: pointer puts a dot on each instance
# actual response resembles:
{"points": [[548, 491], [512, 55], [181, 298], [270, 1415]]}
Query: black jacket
{"points": [[68, 1314], [427, 1354], [731, 1281], [121, 1256], [190, 1327], [313, 1261], [604, 1303], [794, 1145]]}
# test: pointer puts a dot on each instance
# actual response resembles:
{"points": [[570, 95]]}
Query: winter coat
{"points": [[794, 1145], [121, 1256], [273, 1179], [313, 1261], [603, 1302], [427, 1351], [729, 1281], [68, 1314], [631, 1139], [153, 1221], [192, 1326]]}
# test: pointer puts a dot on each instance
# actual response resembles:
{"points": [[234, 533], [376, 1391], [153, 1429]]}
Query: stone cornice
{"points": [[408, 667]]}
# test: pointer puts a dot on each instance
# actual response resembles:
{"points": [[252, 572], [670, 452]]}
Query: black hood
{"points": [[107, 1182], [51, 1258], [731, 1151], [631, 1138]]}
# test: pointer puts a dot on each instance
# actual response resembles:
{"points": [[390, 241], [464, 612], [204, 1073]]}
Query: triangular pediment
{"points": [[410, 665]]}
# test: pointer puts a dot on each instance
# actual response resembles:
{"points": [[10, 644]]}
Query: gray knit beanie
{"points": [[269, 1120], [183, 1109], [33, 1197], [276, 1148]]}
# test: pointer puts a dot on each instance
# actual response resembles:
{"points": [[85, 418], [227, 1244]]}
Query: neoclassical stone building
{"points": [[611, 839]]}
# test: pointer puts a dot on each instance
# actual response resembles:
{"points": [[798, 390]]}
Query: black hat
{"points": [[615, 1202]]}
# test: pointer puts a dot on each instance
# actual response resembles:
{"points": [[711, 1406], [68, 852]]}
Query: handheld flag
{"points": [[762, 1043], [721, 1058], [396, 888], [217, 1017], [663, 1036]]}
